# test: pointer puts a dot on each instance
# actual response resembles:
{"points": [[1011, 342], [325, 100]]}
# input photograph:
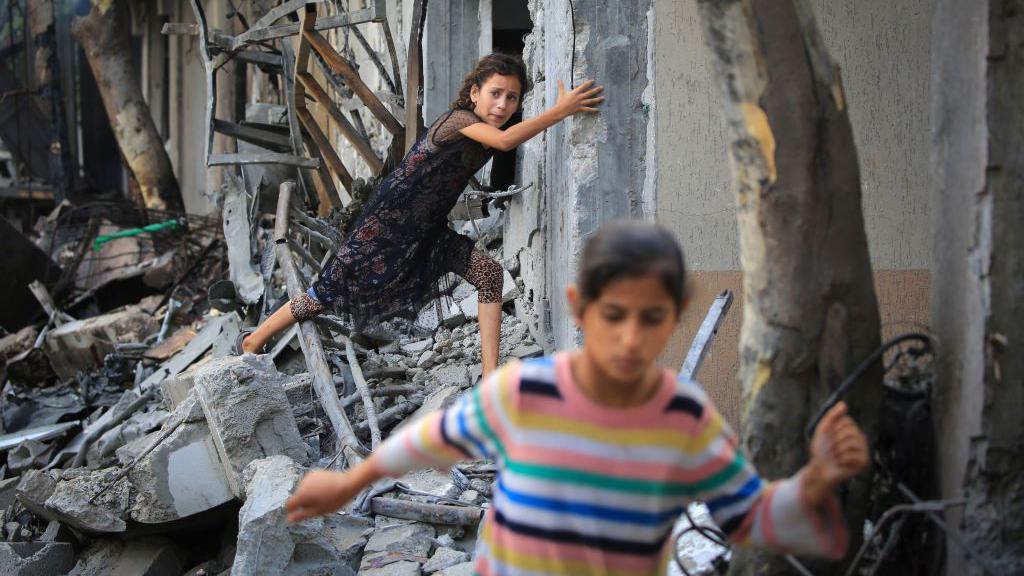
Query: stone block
{"points": [[248, 413], [452, 375], [463, 291], [404, 568], [176, 388], [136, 426], [138, 557], [34, 489], [81, 345], [29, 454], [417, 347], [509, 288], [70, 502], [470, 307], [36, 558], [453, 315], [8, 491], [464, 569], [398, 543], [527, 350], [444, 558], [426, 360], [437, 400], [267, 544], [181, 476]]}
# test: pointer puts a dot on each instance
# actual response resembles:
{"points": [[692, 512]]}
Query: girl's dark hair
{"points": [[496, 63], [628, 249]]}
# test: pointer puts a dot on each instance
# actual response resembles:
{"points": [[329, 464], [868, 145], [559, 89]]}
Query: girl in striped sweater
{"points": [[599, 450]]}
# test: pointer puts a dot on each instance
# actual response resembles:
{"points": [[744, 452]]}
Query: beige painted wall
{"points": [[882, 48]]}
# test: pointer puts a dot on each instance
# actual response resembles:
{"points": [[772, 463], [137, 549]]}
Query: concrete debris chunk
{"points": [[28, 454], [452, 375], [248, 413], [267, 544], [183, 475], [509, 289], [36, 558], [464, 569], [176, 388], [136, 426], [463, 291], [81, 345], [470, 307], [527, 350], [403, 568], [404, 542], [417, 347], [8, 491], [444, 558], [437, 400], [35, 487], [70, 501], [138, 557], [426, 360]]}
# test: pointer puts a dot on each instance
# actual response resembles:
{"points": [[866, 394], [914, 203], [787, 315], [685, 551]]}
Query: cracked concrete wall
{"points": [[587, 169], [883, 51], [976, 171]]}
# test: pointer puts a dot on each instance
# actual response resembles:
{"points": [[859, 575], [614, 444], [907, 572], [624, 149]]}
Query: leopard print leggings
{"points": [[481, 271]]}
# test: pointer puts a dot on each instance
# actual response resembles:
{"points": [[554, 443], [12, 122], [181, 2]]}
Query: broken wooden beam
{"points": [[364, 393], [426, 512], [328, 153], [414, 77], [389, 415], [352, 79], [309, 340], [361, 145], [269, 139]]}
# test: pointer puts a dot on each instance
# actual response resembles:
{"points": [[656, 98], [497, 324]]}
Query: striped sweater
{"points": [[587, 489]]}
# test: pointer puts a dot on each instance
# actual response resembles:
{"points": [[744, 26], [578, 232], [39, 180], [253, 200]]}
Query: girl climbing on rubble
{"points": [[599, 449], [401, 245]]}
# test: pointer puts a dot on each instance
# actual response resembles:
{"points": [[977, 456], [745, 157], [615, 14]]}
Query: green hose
{"points": [[166, 225]]}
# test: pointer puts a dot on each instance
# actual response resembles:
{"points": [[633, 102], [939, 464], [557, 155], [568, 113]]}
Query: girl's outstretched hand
{"points": [[321, 492], [582, 98], [839, 451]]}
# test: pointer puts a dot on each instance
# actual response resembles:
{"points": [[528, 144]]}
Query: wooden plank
{"points": [[309, 340], [328, 153], [322, 182], [262, 158], [414, 77], [345, 19], [349, 131], [270, 140], [294, 129], [352, 79]]}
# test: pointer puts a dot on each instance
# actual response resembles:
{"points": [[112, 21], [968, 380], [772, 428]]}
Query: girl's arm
{"points": [[799, 514], [438, 440], [583, 98]]}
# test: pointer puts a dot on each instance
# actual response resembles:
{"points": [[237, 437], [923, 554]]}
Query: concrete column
{"points": [[977, 170], [587, 169], [451, 42]]}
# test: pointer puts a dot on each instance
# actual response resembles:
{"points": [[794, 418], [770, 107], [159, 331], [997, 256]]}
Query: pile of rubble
{"points": [[136, 442]]}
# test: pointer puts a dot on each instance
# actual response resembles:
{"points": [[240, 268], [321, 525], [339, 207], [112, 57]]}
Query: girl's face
{"points": [[627, 326], [497, 100]]}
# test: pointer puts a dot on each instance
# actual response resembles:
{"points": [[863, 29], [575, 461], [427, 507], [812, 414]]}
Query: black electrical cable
{"points": [[572, 65], [710, 533], [715, 535]]}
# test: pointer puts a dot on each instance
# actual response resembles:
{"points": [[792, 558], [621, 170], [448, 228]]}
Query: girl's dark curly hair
{"points": [[496, 63]]}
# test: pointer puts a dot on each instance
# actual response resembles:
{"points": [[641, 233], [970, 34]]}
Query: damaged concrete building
{"points": [[136, 441]]}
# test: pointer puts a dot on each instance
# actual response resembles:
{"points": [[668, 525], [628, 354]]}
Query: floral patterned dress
{"points": [[401, 245]]}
